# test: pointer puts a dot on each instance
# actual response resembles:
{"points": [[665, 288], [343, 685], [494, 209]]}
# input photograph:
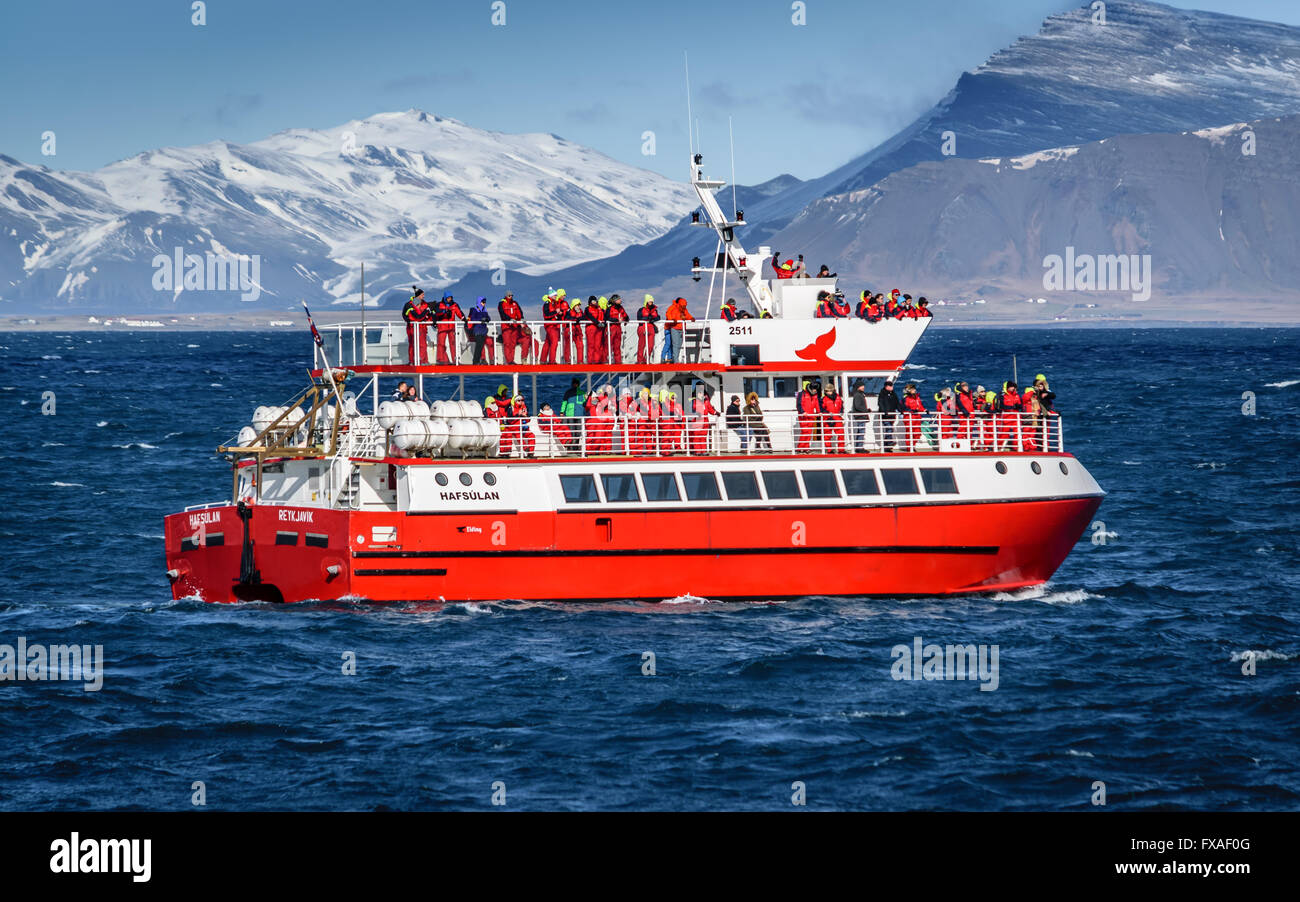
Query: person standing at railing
{"points": [[674, 319], [808, 407], [593, 319], [888, 409], [832, 420], [615, 317], [477, 325], [735, 420], [493, 412], [416, 312], [1009, 406], [516, 420], [987, 402], [600, 421], [646, 317], [670, 423], [860, 414], [913, 413], [551, 425], [573, 322], [445, 315], [964, 407], [1030, 418], [573, 408], [645, 421], [551, 314], [754, 420], [1051, 426], [701, 422], [514, 333]]}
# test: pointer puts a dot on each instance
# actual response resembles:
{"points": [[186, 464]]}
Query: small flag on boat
{"points": [[320, 342]]}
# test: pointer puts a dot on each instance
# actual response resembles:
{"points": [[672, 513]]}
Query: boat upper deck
{"points": [[538, 346]]}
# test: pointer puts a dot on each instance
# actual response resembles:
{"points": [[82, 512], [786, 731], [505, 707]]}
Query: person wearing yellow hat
{"points": [[672, 422], [573, 332], [646, 329], [615, 317], [594, 320]]}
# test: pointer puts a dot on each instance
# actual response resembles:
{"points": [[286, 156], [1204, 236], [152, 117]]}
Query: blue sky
{"points": [[112, 79]]}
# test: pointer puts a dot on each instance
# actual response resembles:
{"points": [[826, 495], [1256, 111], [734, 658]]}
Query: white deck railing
{"points": [[386, 344], [774, 433]]}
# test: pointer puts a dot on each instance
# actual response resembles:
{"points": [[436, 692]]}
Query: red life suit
{"points": [[833, 424]]}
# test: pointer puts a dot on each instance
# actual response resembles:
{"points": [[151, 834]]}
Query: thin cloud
{"points": [[428, 80]]}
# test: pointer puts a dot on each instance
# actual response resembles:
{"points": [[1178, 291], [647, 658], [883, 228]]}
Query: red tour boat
{"points": [[344, 494]]}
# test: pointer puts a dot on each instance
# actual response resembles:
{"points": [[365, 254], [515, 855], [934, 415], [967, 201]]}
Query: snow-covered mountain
{"points": [[1149, 69], [1216, 211], [417, 197]]}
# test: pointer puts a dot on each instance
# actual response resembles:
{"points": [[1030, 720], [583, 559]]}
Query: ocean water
{"points": [[1126, 669]]}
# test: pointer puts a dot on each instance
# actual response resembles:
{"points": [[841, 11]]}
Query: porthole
{"points": [[1001, 468], [490, 478], [466, 479], [1033, 465], [440, 478], [1065, 471]]}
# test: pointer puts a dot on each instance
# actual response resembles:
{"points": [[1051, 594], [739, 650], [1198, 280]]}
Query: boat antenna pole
{"points": [[363, 312]]}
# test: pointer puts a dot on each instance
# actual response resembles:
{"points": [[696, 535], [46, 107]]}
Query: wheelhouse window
{"points": [[701, 486], [620, 487], [899, 482], [660, 487], [860, 482], [820, 484], [579, 489], [938, 481], [781, 484], [741, 486]]}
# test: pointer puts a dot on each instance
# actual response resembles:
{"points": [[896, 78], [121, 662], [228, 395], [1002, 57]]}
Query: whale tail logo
{"points": [[817, 351]]}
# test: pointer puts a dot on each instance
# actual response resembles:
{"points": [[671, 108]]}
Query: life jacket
{"points": [[874, 313], [416, 313], [728, 312], [923, 312], [808, 403], [1010, 401], [966, 404], [833, 405], [616, 314], [1029, 402], [573, 314], [825, 308], [783, 270], [913, 403], [862, 310], [841, 308], [510, 310], [648, 314], [594, 314], [891, 308]]}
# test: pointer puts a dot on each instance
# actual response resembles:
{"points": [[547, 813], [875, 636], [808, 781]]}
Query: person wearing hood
{"points": [[923, 309], [573, 321], [754, 420], [552, 315], [417, 312], [832, 421], [888, 408], [674, 320], [783, 270], [646, 330], [670, 423], [551, 425], [945, 406], [479, 323], [593, 320], [701, 422], [964, 406], [913, 412], [645, 416], [615, 317], [1008, 428], [573, 405], [808, 408]]}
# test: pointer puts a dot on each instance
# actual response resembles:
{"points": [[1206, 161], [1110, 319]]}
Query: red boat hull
{"points": [[787, 552]]}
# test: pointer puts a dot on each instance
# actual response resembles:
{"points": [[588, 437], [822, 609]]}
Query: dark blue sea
{"points": [[1127, 669]]}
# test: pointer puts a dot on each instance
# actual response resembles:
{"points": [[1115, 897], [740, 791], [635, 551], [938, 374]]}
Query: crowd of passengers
{"points": [[574, 333], [643, 422]]}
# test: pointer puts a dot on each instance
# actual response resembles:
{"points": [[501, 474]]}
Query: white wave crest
{"points": [[70, 485], [1265, 655], [1287, 384]]}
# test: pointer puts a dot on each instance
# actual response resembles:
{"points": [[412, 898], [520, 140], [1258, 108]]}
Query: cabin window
{"points": [[786, 386], [757, 385], [701, 486], [319, 540], [741, 486], [286, 538], [938, 481], [466, 479], [440, 478], [1038, 470], [820, 484], [781, 484], [899, 482], [860, 482], [579, 489], [490, 478], [660, 487], [620, 487], [213, 539], [744, 355]]}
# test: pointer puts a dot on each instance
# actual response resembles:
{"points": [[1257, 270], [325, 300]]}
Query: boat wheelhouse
{"points": [[343, 492]]}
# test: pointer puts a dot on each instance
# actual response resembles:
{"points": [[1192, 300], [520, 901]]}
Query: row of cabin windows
{"points": [[789, 386], [743, 485]]}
